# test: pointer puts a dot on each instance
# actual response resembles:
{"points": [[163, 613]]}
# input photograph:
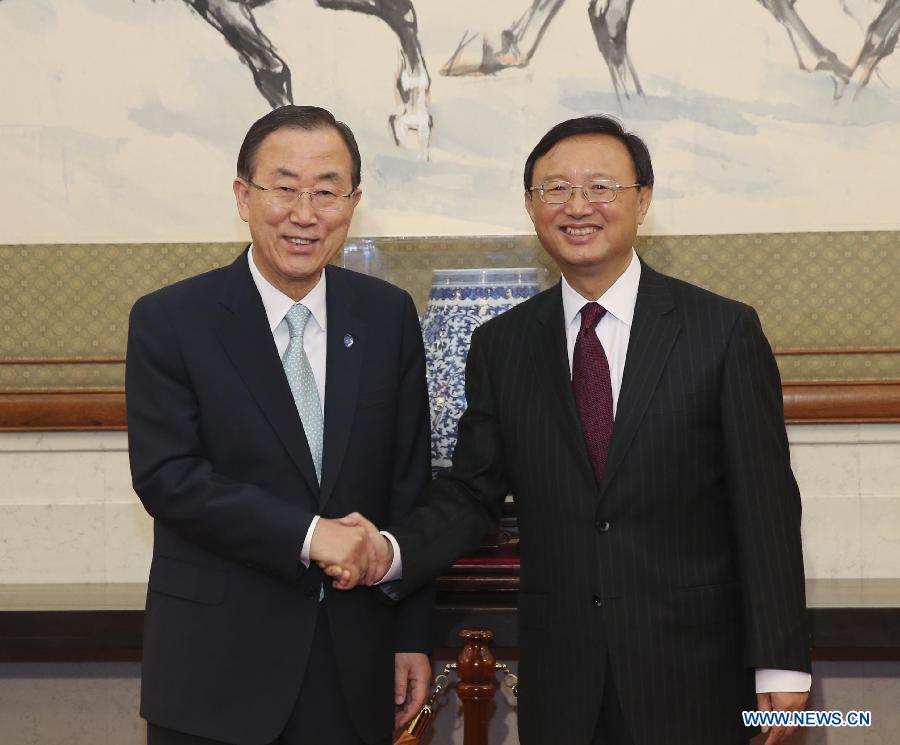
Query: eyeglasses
{"points": [[601, 190], [285, 198]]}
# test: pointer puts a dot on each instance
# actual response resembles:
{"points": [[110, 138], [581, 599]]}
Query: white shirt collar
{"points": [[277, 304], [619, 300]]}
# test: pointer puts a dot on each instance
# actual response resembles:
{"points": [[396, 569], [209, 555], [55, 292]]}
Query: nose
{"points": [[302, 212], [578, 204]]}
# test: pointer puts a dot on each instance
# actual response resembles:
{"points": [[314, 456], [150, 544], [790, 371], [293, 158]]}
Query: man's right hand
{"points": [[380, 554], [343, 548]]}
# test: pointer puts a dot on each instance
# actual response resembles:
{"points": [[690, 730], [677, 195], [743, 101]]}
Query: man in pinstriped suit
{"points": [[662, 587]]}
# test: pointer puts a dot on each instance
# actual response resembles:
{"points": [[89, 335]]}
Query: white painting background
{"points": [[120, 120]]}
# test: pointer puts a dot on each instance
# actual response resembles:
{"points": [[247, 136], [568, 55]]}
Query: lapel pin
{"points": [[348, 341]]}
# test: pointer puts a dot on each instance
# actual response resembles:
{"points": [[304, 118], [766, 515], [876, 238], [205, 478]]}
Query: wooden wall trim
{"points": [[63, 410], [832, 351], [861, 402], [63, 361], [778, 351], [865, 402]]}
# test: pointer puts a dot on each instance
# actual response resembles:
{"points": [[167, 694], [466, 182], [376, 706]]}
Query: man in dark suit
{"points": [[638, 422], [265, 399]]}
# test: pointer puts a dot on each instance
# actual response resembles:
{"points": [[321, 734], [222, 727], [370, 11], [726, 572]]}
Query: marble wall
{"points": [[69, 513], [68, 510], [97, 704], [849, 476]]}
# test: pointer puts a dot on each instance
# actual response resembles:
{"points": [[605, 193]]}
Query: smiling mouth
{"points": [[300, 241], [585, 230]]}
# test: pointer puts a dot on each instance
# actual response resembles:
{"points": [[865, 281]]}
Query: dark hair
{"points": [[295, 117], [594, 125]]}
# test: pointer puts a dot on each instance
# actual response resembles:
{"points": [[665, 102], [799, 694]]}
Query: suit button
{"points": [[603, 525], [311, 591], [597, 601]]}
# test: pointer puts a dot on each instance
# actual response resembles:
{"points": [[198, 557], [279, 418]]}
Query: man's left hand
{"points": [[412, 681], [780, 701]]}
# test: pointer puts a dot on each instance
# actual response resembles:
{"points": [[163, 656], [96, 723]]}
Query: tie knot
{"points": [[296, 319], [591, 314]]}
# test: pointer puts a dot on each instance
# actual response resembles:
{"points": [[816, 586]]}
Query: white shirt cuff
{"points": [[304, 552], [782, 681], [395, 571]]}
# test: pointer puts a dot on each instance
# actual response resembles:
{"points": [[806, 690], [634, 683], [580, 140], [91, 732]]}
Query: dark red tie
{"points": [[593, 388]]}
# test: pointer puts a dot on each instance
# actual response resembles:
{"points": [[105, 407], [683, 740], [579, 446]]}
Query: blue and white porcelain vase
{"points": [[459, 302]]}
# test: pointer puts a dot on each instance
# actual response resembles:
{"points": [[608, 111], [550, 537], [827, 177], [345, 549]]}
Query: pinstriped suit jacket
{"points": [[683, 569]]}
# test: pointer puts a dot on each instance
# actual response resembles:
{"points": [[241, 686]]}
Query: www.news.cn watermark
{"points": [[807, 718]]}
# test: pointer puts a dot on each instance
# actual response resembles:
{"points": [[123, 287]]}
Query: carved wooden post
{"points": [[477, 684]]}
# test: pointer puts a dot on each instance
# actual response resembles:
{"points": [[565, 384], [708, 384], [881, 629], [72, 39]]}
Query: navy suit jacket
{"points": [[220, 460], [682, 571]]}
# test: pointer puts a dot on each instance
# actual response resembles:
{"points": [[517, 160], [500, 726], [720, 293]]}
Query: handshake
{"points": [[351, 551]]}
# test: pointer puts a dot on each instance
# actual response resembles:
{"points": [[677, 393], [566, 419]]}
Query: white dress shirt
{"points": [[614, 331], [315, 344]]}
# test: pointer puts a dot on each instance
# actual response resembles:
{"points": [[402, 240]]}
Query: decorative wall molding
{"points": [[836, 402], [857, 402], [829, 351], [779, 352], [63, 361], [62, 410]]}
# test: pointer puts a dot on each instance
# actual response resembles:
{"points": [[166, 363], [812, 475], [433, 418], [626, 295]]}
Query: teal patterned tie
{"points": [[303, 384]]}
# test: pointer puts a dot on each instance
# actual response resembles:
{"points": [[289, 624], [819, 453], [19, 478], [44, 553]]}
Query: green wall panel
{"points": [[812, 291]]}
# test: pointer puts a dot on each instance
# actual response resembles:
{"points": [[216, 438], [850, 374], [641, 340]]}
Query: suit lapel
{"points": [[245, 335], [653, 332], [552, 360], [346, 347]]}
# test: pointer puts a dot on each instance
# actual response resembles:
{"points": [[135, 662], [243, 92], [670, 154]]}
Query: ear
{"points": [[354, 200], [242, 197], [645, 196], [529, 205]]}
